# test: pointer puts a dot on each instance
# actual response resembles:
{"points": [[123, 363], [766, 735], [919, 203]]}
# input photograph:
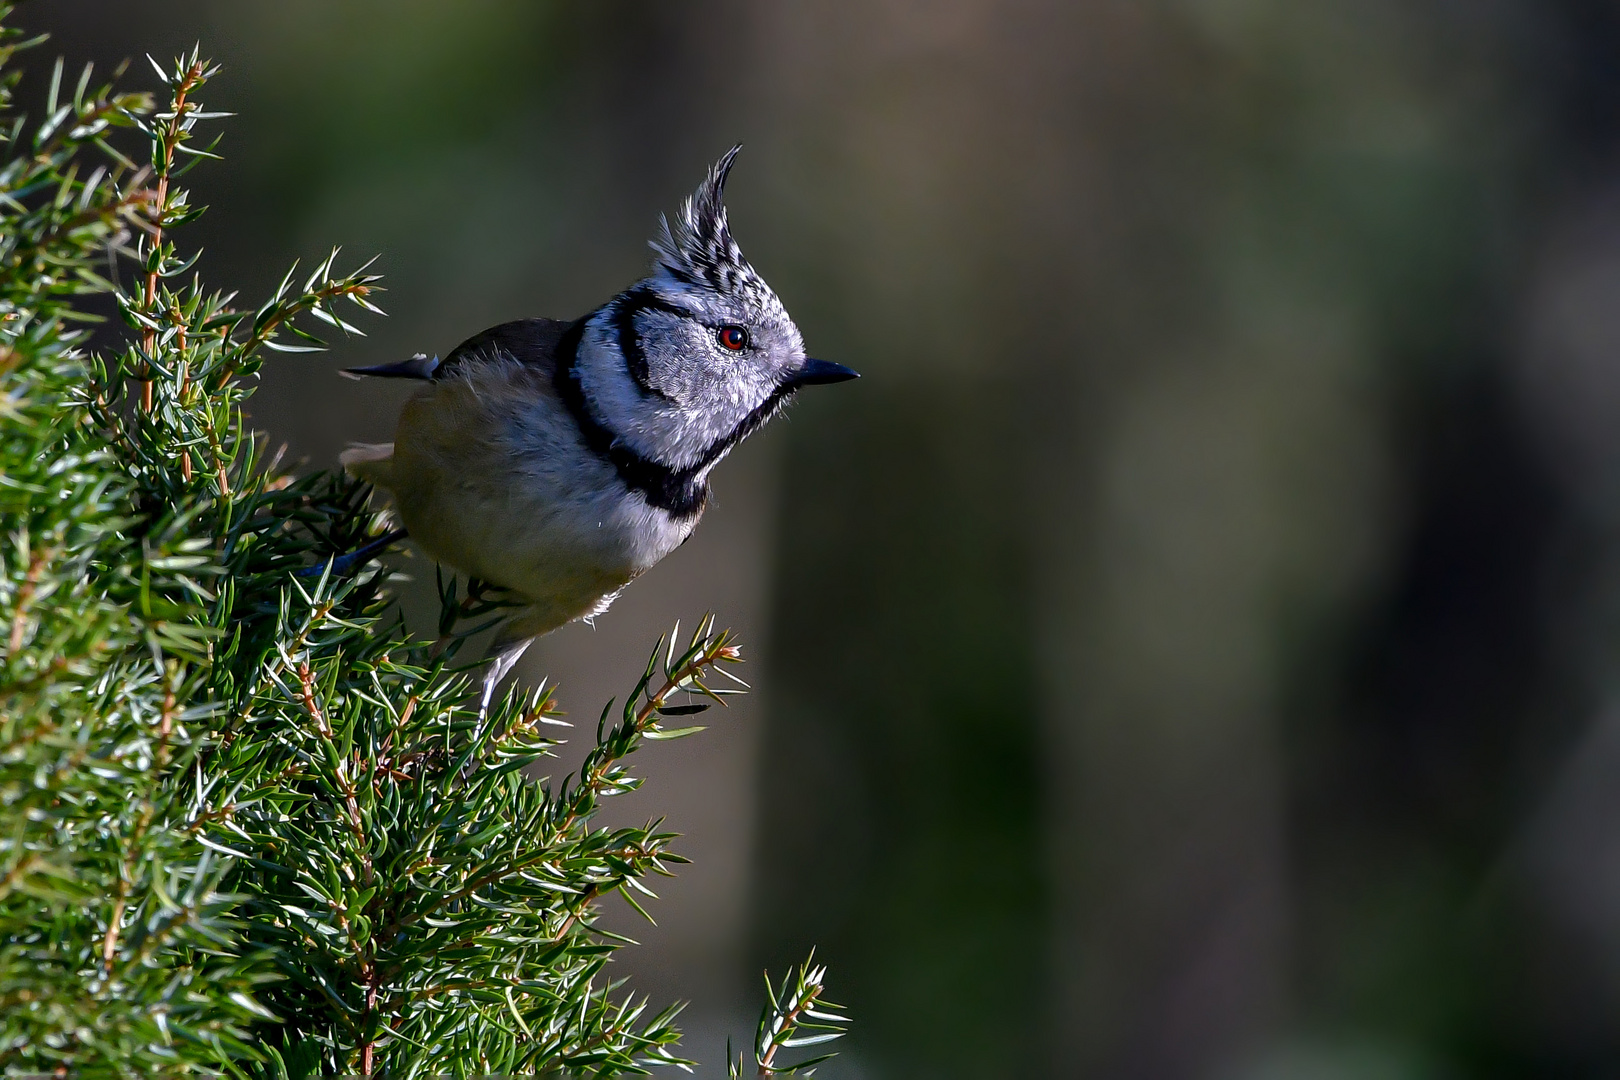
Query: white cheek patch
{"points": [[679, 360]]}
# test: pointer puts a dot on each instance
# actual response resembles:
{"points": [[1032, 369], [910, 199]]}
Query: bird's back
{"points": [[532, 343]]}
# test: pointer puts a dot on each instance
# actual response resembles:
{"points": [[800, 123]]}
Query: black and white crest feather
{"points": [[700, 250]]}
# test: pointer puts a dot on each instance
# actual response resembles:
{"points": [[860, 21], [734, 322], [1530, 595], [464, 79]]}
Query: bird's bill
{"points": [[817, 372]]}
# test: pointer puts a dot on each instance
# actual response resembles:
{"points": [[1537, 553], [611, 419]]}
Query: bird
{"points": [[559, 460]]}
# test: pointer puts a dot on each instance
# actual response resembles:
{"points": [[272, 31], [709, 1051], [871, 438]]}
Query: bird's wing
{"points": [[420, 366], [531, 342]]}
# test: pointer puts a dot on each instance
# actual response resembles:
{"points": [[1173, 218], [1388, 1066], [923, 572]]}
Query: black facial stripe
{"points": [[635, 359], [625, 310], [746, 427], [647, 300], [678, 492]]}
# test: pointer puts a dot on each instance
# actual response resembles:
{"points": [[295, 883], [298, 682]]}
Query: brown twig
{"points": [[25, 597], [109, 946], [789, 1019], [169, 137], [306, 695]]}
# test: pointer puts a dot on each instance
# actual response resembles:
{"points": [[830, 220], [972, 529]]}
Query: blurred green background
{"points": [[1190, 651]]}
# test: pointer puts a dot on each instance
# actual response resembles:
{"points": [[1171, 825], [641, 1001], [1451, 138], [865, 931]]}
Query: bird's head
{"points": [[707, 350]]}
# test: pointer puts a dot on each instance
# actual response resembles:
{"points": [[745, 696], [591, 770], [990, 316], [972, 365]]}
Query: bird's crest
{"points": [[700, 249]]}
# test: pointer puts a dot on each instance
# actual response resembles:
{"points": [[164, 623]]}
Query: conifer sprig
{"points": [[795, 1014]]}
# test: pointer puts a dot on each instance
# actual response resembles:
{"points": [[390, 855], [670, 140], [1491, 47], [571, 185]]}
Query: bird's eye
{"points": [[733, 337]]}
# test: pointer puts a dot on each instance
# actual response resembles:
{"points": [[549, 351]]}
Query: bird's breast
{"points": [[492, 478]]}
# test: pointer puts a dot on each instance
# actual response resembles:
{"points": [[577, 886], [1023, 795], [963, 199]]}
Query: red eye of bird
{"points": [[733, 337]]}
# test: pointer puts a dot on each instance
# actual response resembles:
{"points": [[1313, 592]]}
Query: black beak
{"points": [[816, 372]]}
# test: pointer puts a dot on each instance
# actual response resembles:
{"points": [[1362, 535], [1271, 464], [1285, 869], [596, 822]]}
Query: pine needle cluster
{"points": [[248, 824]]}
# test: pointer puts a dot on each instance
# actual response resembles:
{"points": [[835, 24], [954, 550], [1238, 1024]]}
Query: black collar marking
{"points": [[679, 492]]}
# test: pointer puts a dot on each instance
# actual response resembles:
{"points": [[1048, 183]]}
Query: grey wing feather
{"points": [[529, 341], [420, 366]]}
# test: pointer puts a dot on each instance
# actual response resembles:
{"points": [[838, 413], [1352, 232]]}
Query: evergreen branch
{"points": [[795, 1015], [168, 135]]}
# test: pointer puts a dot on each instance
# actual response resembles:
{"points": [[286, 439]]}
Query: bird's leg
{"points": [[501, 663], [342, 564]]}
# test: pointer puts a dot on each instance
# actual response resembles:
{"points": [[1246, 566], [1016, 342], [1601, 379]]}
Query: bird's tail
{"points": [[372, 462]]}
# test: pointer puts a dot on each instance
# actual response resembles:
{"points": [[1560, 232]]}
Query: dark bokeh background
{"points": [[1190, 651]]}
